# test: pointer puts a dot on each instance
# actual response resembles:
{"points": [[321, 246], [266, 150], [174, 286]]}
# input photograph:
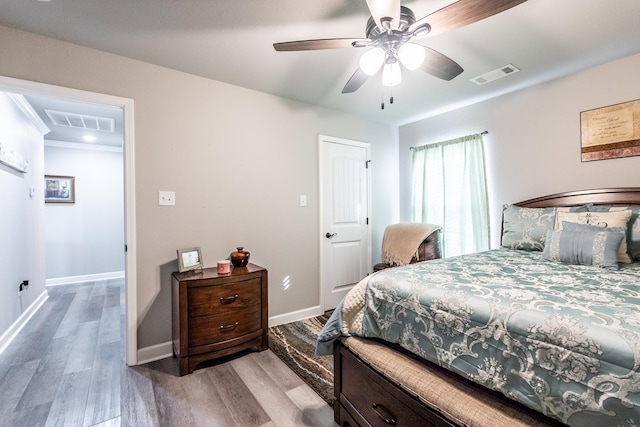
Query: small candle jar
{"points": [[224, 267]]}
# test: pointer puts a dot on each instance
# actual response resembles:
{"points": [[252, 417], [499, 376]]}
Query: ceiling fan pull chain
{"points": [[391, 96], [382, 99]]}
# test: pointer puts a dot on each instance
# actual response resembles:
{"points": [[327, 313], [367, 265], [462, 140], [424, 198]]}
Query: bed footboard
{"points": [[364, 397], [429, 396]]}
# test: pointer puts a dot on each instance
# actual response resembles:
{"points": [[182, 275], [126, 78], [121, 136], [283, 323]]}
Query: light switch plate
{"points": [[166, 198], [303, 200]]}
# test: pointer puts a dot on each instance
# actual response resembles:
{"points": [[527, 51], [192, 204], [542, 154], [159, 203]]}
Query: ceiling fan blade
{"points": [[355, 82], [318, 44], [385, 9], [463, 12], [440, 65]]}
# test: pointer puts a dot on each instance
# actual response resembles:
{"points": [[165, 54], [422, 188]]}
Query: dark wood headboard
{"points": [[601, 196]]}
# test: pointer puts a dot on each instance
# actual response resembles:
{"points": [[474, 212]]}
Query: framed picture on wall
{"points": [[610, 132], [59, 189]]}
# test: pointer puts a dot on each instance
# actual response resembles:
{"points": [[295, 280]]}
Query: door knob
{"points": [[329, 235]]}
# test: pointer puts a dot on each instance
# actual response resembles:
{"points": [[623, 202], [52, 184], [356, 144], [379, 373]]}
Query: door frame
{"points": [[25, 87], [335, 140]]}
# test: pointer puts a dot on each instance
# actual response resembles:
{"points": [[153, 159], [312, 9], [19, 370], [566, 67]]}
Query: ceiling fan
{"points": [[392, 27]]}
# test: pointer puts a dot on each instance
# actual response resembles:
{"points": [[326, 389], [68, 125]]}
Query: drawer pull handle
{"points": [[391, 420], [230, 327], [229, 300]]}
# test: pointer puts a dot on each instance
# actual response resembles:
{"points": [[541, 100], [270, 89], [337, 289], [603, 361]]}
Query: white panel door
{"points": [[344, 204]]}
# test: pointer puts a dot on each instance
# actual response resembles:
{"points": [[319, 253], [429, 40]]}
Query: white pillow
{"points": [[581, 208], [600, 219]]}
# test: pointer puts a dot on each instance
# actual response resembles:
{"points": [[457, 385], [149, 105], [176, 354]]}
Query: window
{"points": [[450, 190]]}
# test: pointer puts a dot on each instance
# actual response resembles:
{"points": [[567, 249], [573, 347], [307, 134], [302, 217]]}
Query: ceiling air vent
{"points": [[495, 74], [81, 121]]}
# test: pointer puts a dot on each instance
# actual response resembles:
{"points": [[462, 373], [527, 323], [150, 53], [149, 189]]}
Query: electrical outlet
{"points": [[166, 198]]}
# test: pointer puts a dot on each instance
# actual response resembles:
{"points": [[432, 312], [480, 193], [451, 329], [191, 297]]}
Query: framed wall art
{"points": [[610, 132], [12, 158], [59, 189], [189, 259]]}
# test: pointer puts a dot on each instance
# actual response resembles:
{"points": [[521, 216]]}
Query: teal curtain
{"points": [[450, 190]]}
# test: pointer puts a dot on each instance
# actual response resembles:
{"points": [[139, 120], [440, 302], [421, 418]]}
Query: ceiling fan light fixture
{"points": [[372, 60], [391, 74], [422, 30], [411, 55], [386, 23], [388, 30]]}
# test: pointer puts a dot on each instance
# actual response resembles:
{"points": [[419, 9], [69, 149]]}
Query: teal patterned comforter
{"points": [[561, 339]]}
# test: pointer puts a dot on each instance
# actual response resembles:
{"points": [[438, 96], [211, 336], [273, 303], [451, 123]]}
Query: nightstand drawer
{"points": [[206, 300], [205, 330]]}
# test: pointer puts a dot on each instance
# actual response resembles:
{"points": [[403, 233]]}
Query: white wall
{"points": [[86, 237], [21, 216], [533, 145], [237, 159]]}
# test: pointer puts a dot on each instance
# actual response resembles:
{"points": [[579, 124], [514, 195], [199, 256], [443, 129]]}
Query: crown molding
{"points": [[28, 111]]}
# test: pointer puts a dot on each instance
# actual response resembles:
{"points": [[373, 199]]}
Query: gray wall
{"points": [[86, 237], [533, 146], [237, 159], [21, 216]]}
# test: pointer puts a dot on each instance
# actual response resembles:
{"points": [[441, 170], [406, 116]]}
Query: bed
{"points": [[543, 331]]}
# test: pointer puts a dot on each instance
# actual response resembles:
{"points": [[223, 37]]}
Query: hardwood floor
{"points": [[66, 368]]}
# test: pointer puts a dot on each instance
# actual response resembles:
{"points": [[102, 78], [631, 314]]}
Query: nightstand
{"points": [[215, 315]]}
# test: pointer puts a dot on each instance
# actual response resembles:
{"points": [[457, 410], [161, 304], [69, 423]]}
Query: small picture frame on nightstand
{"points": [[189, 259]]}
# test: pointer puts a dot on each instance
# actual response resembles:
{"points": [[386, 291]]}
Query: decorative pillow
{"points": [[526, 228], [600, 219], [574, 226], [584, 246], [581, 208], [633, 229]]}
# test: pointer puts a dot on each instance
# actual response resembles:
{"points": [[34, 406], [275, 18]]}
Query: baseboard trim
{"points": [[294, 316], [21, 321], [155, 352], [85, 278]]}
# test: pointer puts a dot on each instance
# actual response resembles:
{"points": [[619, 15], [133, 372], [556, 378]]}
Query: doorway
{"points": [[345, 248], [26, 88]]}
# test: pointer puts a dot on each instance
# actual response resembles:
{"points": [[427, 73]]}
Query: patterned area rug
{"points": [[294, 343]]}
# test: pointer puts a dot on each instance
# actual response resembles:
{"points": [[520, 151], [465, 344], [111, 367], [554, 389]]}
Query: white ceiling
{"points": [[231, 41]]}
